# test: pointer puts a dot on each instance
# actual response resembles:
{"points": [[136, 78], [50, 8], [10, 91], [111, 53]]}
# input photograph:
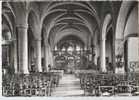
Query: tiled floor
{"points": [[69, 86]]}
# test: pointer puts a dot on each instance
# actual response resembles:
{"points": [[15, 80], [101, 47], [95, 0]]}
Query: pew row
{"points": [[34, 84], [108, 84]]}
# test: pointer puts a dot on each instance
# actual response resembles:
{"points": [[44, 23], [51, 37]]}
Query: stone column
{"points": [[96, 55], [46, 57], [103, 60], [92, 47], [119, 46], [94, 50], [119, 50], [51, 57], [23, 48], [38, 55], [15, 57]]}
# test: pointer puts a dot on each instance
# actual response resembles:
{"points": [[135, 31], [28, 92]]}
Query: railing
{"points": [[38, 84]]}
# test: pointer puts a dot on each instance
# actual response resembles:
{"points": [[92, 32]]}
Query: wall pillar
{"points": [[23, 48], [38, 55], [103, 60]]}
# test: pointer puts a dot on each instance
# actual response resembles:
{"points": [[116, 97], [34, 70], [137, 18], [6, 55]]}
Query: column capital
{"points": [[25, 26]]}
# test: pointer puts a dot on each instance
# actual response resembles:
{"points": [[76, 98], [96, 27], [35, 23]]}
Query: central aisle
{"points": [[69, 85]]}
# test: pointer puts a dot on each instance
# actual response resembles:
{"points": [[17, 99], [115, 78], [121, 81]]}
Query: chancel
{"points": [[70, 48]]}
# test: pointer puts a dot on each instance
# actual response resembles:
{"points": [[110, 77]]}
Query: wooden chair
{"points": [[135, 90], [27, 90], [123, 89]]}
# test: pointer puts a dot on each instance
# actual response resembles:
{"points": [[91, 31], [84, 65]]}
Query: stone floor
{"points": [[69, 85]]}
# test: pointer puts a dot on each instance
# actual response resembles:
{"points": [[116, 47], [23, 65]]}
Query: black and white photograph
{"points": [[69, 48]]}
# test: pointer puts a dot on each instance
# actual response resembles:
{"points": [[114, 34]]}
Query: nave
{"points": [[70, 48], [69, 85]]}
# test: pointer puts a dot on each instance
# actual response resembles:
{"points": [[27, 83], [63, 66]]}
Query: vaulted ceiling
{"points": [[76, 18], [57, 19]]}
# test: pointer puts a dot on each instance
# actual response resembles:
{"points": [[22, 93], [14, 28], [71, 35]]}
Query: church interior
{"points": [[70, 48]]}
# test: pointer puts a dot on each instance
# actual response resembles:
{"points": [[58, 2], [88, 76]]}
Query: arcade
{"points": [[90, 47]]}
